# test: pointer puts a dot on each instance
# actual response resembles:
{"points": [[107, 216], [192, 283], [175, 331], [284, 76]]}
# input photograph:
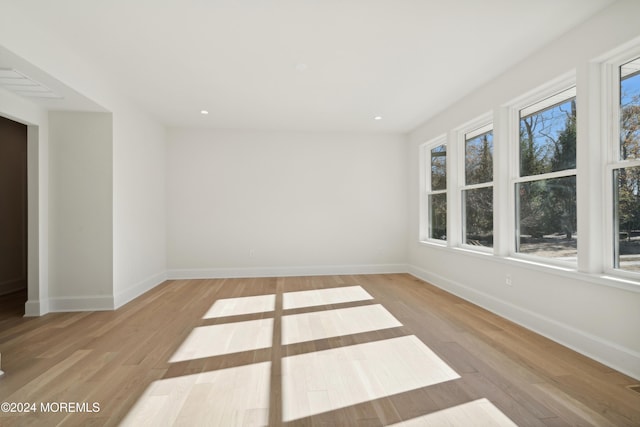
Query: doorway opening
{"points": [[13, 218]]}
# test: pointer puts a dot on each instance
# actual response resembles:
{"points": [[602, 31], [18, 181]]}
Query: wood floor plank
{"points": [[124, 360], [570, 409]]}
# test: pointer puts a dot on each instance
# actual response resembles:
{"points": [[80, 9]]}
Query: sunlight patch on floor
{"points": [[227, 397], [317, 297], [330, 379], [227, 338], [479, 413], [335, 323], [241, 305]]}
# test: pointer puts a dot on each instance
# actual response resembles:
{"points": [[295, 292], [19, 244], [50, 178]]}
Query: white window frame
{"points": [[482, 124], [611, 121], [547, 91], [425, 190]]}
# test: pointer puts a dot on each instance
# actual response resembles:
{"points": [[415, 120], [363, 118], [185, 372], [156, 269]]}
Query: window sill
{"points": [[434, 243], [603, 279]]}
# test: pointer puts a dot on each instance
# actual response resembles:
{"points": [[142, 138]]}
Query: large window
{"points": [[626, 174], [477, 191], [519, 196], [545, 190], [436, 191]]}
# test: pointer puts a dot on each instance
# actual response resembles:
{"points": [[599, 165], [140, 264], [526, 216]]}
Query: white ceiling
{"points": [[65, 98], [303, 64]]}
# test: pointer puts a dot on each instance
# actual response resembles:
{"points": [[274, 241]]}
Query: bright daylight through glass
{"points": [[627, 179], [546, 192]]}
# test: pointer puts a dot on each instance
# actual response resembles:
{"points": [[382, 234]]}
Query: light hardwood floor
{"points": [[364, 350]]}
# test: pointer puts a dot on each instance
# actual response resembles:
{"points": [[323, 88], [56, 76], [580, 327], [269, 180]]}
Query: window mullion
{"points": [[543, 176], [453, 202], [474, 186], [589, 176]]}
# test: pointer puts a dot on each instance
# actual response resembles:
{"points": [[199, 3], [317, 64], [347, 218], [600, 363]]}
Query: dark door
{"points": [[13, 215]]}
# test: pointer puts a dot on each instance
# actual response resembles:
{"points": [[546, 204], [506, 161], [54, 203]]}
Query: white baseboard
{"points": [[35, 308], [322, 270], [140, 288], [611, 354], [92, 303]]}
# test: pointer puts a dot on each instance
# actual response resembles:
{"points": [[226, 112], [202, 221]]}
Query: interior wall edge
{"points": [[608, 353], [139, 288]]}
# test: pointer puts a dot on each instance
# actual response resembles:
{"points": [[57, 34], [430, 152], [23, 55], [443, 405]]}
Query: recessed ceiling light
{"points": [[377, 118], [204, 112]]}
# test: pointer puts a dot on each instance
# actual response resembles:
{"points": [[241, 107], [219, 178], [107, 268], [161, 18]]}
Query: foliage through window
{"points": [[627, 178], [545, 193], [477, 192], [548, 138], [437, 193], [439, 168]]}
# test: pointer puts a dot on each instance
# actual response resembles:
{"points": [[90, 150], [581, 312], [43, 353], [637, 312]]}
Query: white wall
{"points": [[107, 208], [261, 203], [139, 207], [583, 310], [81, 210]]}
